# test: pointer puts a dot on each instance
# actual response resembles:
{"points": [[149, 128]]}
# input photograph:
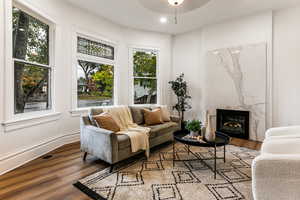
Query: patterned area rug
{"points": [[157, 179]]}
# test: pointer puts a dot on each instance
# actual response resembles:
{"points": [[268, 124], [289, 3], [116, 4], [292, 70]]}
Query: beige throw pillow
{"points": [[153, 117], [106, 121], [165, 114]]}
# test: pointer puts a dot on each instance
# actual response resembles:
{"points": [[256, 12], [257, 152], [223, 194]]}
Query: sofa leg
{"points": [[84, 156], [111, 168]]}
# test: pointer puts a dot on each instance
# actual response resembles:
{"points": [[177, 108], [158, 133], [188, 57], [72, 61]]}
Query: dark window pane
{"points": [[95, 84], [93, 48], [145, 91], [31, 88], [144, 64], [30, 38]]}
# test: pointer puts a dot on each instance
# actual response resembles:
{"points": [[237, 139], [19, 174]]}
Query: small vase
{"points": [[210, 135], [194, 133]]}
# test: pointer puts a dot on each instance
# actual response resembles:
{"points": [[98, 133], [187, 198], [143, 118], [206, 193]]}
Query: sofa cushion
{"points": [[159, 129], [165, 113], [137, 114], [156, 130]]}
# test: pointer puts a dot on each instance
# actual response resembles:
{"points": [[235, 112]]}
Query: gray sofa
{"points": [[111, 147]]}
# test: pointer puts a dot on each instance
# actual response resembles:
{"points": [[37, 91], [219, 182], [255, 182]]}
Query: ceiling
{"points": [[146, 14]]}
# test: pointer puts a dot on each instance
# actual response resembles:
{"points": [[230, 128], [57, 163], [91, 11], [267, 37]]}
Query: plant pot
{"points": [[183, 126], [194, 133]]}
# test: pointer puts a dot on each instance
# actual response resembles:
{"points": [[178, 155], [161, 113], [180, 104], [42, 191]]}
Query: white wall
{"points": [[279, 29], [187, 60], [19, 146], [1, 66], [191, 48], [286, 78]]}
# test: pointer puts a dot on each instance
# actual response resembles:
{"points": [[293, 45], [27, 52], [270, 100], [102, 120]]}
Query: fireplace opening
{"points": [[234, 123]]}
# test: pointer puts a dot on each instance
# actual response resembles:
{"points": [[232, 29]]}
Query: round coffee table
{"points": [[221, 140]]}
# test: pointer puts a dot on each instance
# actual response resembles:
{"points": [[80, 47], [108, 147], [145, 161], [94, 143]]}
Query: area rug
{"points": [[157, 179]]}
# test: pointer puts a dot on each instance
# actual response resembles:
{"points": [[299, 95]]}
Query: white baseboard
{"points": [[17, 159]]}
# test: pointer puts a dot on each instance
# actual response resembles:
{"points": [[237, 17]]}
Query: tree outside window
{"points": [[95, 81], [145, 76], [31, 63], [94, 84]]}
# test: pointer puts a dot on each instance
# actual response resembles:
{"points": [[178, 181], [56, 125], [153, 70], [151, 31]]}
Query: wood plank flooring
{"points": [[52, 178]]}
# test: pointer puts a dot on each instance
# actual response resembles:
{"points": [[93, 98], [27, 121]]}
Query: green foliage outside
{"points": [[30, 43], [97, 83], [34, 37], [144, 64], [104, 80]]}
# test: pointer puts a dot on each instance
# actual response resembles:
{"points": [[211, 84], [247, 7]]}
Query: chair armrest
{"points": [[283, 131], [175, 119], [99, 142], [276, 177]]}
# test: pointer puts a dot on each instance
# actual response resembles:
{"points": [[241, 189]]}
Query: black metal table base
{"points": [[215, 158]]}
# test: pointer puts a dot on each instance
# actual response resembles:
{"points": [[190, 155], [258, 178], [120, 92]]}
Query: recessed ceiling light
{"points": [[163, 20], [175, 2]]}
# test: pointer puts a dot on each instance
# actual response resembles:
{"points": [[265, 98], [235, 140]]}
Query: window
{"points": [[93, 48], [31, 63], [145, 76], [95, 78]]}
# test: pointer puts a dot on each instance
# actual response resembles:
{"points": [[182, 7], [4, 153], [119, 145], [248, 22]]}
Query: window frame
{"points": [[132, 49], [10, 115], [75, 110]]}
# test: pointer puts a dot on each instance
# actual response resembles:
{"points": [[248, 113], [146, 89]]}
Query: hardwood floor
{"points": [[52, 178]]}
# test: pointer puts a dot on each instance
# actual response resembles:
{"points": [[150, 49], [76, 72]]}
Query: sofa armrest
{"points": [[281, 146], [283, 131], [276, 177], [99, 142], [175, 118], [94, 129]]}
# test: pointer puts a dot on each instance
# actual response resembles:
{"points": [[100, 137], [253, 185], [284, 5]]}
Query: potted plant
{"points": [[180, 88], [194, 126]]}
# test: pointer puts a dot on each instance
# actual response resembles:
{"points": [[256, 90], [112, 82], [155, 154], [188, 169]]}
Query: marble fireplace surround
{"points": [[236, 79]]}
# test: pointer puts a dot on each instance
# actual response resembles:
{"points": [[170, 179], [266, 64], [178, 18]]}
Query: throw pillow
{"points": [[153, 117], [137, 114], [165, 114], [106, 121]]}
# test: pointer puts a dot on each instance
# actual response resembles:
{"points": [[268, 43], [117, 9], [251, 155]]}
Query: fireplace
{"points": [[233, 123]]}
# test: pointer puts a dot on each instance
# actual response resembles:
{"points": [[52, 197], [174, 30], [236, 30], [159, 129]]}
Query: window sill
{"points": [[146, 105], [78, 112], [22, 123]]}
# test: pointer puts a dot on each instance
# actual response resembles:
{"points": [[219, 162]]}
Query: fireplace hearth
{"points": [[234, 123]]}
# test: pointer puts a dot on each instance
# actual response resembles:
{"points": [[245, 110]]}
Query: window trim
{"points": [[132, 77], [9, 96], [75, 110]]}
